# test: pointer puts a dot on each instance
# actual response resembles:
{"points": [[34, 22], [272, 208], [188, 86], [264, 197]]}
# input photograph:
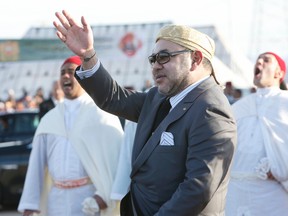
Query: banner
{"points": [[32, 50]]}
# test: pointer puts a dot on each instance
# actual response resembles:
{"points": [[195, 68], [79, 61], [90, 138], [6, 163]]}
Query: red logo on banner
{"points": [[129, 44]]}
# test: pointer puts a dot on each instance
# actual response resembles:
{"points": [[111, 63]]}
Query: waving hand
{"points": [[77, 37]]}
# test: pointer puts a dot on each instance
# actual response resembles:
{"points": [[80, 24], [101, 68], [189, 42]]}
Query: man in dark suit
{"points": [[182, 167], [57, 95]]}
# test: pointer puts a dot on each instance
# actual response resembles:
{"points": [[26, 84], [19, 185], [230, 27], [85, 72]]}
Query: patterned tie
{"points": [[161, 113]]}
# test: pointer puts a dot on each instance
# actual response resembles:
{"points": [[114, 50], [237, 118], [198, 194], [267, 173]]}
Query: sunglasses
{"points": [[163, 57]]}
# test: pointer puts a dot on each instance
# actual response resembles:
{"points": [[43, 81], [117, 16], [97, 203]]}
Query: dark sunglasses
{"points": [[163, 57]]}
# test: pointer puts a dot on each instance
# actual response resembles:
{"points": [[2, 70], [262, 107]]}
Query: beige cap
{"points": [[188, 38]]}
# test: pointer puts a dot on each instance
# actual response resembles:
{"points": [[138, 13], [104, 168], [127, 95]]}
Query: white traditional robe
{"points": [[262, 124], [74, 140], [122, 179]]}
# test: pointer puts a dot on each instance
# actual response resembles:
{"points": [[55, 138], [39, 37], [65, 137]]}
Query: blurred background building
{"points": [[34, 61]]}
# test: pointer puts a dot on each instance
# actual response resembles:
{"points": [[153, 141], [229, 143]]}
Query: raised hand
{"points": [[77, 37]]}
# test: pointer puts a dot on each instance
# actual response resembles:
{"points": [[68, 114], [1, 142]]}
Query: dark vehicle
{"points": [[16, 134]]}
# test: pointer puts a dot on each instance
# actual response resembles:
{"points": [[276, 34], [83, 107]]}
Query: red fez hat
{"points": [[281, 63], [73, 59]]}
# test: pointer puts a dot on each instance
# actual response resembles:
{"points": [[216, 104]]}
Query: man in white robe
{"points": [[79, 145], [259, 176]]}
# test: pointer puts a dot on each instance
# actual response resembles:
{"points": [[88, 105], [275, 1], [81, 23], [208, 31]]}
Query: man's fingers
{"points": [[60, 28], [61, 31], [84, 23], [63, 20], [70, 20], [61, 36]]}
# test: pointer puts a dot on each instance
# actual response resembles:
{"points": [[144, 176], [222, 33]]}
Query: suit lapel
{"points": [[143, 132], [153, 141]]}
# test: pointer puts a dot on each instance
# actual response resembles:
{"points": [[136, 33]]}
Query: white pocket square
{"points": [[167, 139]]}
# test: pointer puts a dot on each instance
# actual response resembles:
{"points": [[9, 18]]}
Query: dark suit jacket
{"points": [[45, 106], [189, 177]]}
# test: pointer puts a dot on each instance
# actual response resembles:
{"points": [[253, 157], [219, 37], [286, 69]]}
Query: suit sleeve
{"points": [[111, 97]]}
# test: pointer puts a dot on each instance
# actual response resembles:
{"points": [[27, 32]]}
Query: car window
{"points": [[18, 126], [26, 123], [5, 124]]}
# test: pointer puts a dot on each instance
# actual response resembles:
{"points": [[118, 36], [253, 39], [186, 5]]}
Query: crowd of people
{"points": [[37, 100], [26, 101], [214, 151]]}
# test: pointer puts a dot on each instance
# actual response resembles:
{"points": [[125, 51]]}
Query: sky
{"points": [[42, 13], [239, 23]]}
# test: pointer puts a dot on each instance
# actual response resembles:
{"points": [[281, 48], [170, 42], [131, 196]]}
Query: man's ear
{"points": [[279, 73], [197, 57]]}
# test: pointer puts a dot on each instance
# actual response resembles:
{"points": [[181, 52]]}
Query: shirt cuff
{"points": [[82, 74]]}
